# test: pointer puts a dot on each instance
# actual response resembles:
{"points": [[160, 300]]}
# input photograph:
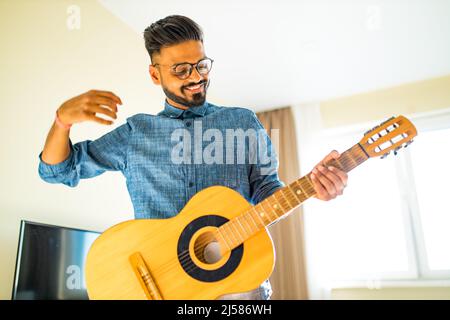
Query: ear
{"points": [[154, 74]]}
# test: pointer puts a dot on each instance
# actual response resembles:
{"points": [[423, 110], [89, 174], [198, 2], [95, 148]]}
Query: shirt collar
{"points": [[173, 112]]}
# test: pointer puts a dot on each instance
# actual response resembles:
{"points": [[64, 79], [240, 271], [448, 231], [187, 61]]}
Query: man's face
{"points": [[182, 93]]}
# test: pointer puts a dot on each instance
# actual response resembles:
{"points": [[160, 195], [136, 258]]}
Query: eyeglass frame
{"points": [[193, 65]]}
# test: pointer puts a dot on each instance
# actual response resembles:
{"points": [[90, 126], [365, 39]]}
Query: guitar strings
{"points": [[184, 257], [348, 163]]}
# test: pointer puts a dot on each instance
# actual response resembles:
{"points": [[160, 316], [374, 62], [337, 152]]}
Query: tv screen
{"points": [[50, 262]]}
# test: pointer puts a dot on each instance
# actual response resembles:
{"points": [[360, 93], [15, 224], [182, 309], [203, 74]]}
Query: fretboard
{"points": [[281, 203]]}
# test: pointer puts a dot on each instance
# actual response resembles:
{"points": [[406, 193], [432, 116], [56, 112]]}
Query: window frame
{"points": [[310, 130]]}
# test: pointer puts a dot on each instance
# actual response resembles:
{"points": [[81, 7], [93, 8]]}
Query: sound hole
{"points": [[207, 248], [189, 266]]}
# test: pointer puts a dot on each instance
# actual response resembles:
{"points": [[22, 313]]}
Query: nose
{"points": [[195, 76]]}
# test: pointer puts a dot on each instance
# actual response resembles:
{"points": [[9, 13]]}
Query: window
{"points": [[393, 221], [431, 171]]}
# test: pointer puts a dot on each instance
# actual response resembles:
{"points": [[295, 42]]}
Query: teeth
{"points": [[194, 87]]}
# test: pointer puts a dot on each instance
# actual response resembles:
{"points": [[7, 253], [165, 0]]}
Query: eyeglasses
{"points": [[184, 70]]}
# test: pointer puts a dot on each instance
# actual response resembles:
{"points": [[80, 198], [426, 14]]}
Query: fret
{"points": [[301, 187], [352, 160], [277, 203], [242, 227], [228, 239], [232, 233], [258, 215], [361, 156], [287, 200], [224, 240], [270, 209], [254, 222], [307, 181], [295, 192], [260, 207], [287, 194], [249, 215], [232, 224], [264, 212], [278, 206], [245, 218], [355, 157], [338, 163], [298, 192], [273, 206], [359, 150]]}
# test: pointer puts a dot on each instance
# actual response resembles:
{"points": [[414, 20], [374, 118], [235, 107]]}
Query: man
{"points": [[143, 148]]}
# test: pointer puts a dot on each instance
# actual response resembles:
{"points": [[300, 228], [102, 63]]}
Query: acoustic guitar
{"points": [[219, 243]]}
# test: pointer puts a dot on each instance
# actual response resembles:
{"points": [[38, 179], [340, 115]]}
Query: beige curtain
{"points": [[289, 277]]}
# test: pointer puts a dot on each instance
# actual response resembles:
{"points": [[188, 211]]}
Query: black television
{"points": [[50, 262]]}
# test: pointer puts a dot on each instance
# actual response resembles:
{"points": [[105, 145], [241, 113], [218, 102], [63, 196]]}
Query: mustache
{"points": [[194, 84]]}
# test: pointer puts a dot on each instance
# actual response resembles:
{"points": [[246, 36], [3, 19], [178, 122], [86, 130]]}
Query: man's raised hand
{"points": [[87, 106]]}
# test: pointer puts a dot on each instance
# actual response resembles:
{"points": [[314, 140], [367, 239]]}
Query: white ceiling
{"points": [[273, 53]]}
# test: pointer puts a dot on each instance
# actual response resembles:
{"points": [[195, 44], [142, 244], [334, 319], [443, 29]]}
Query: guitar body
{"points": [[167, 248], [178, 258]]}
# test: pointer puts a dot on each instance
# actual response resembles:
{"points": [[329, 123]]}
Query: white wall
{"points": [[43, 63]]}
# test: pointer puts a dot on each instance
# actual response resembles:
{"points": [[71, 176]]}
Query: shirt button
{"points": [[188, 124], [191, 184]]}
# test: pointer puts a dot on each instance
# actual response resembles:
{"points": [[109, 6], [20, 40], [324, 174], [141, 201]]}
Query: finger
{"points": [[321, 193], [94, 108], [335, 180], [326, 183], [94, 118], [107, 94], [341, 174], [112, 104], [332, 155]]}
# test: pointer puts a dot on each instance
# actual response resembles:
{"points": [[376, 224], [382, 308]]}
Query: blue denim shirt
{"points": [[144, 149]]}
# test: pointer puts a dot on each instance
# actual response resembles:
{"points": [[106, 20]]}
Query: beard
{"points": [[197, 99]]}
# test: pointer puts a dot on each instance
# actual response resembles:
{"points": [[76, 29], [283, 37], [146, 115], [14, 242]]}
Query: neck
{"points": [[280, 204], [176, 105]]}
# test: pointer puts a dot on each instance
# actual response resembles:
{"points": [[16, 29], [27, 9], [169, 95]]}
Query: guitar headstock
{"points": [[393, 134]]}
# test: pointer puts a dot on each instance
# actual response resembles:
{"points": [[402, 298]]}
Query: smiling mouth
{"points": [[195, 88]]}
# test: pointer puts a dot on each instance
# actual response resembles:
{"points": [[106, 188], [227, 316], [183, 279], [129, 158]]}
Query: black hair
{"points": [[169, 31]]}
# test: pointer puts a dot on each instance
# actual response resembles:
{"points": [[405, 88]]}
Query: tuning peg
{"points": [[369, 131], [385, 155], [408, 143]]}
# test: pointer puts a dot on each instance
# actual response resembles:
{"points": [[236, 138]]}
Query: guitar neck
{"points": [[281, 203]]}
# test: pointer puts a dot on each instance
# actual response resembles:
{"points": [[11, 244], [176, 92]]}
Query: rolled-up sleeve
{"points": [[263, 177], [88, 158]]}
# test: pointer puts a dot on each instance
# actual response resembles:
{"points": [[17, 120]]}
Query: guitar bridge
{"points": [[145, 277]]}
